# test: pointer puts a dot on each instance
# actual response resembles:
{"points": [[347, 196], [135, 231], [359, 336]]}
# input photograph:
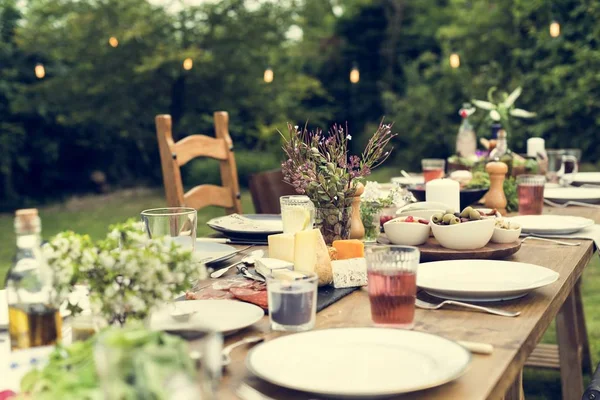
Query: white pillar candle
{"points": [[535, 145], [445, 191]]}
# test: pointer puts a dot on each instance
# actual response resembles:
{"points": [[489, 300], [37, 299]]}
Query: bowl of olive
{"points": [[467, 230], [467, 196]]}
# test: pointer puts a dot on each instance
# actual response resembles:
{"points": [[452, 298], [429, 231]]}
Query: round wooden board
{"points": [[433, 251]]}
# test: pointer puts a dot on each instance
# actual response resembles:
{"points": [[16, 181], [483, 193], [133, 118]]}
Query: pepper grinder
{"points": [[495, 197], [357, 229]]}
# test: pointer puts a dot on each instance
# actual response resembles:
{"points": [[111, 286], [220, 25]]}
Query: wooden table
{"points": [[494, 376]]}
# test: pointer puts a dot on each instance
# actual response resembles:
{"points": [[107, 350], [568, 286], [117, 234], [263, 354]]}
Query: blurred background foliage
{"points": [[94, 109]]}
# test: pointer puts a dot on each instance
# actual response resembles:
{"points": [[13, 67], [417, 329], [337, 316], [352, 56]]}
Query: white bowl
{"points": [[505, 235], [466, 235], [425, 214], [406, 233]]}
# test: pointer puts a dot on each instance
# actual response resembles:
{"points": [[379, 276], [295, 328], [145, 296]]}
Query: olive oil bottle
{"points": [[33, 319]]}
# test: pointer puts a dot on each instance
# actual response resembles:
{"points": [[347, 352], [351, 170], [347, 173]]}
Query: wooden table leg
{"points": [[515, 391], [586, 357], [569, 349]]}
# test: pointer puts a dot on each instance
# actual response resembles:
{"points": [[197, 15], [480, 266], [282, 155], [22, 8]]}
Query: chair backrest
{"points": [[173, 155], [266, 188]]}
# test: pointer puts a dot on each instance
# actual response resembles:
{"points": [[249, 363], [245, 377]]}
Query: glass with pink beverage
{"points": [[433, 168], [392, 287], [530, 189]]}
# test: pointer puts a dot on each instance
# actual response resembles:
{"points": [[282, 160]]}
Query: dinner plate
{"points": [[482, 280], [358, 362], [212, 252], [562, 195], [224, 316], [248, 226], [581, 178], [404, 181], [551, 224]]}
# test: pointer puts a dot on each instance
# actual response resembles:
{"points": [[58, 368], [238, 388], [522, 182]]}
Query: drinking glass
{"points": [[178, 223], [433, 168], [292, 302], [562, 162], [392, 287], [297, 213], [575, 161], [530, 189]]}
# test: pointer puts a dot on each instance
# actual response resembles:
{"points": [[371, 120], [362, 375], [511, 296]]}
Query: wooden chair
{"points": [[174, 155], [266, 188]]}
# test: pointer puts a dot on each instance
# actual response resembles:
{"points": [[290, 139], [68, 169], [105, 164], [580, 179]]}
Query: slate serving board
{"points": [[327, 295]]}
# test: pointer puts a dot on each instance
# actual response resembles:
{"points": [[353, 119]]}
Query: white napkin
{"points": [[591, 232]]}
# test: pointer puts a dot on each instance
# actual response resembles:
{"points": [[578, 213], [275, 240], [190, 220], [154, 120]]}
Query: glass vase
{"points": [[334, 223], [369, 213]]}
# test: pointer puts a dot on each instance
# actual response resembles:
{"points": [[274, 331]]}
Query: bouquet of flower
{"points": [[501, 111], [127, 273], [374, 200]]}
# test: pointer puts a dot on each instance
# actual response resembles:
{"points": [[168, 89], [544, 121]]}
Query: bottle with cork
{"points": [[33, 318]]}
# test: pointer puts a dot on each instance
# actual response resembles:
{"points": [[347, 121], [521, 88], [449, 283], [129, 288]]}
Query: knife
{"points": [[242, 269], [234, 241]]}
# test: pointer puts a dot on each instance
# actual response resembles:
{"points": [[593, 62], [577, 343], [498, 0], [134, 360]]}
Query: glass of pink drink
{"points": [[530, 189], [392, 285], [433, 168]]}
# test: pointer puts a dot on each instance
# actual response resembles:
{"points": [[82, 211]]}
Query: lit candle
{"points": [[445, 191]]}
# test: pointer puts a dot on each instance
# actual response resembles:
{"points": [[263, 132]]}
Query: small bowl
{"points": [[466, 235], [504, 236], [406, 233]]}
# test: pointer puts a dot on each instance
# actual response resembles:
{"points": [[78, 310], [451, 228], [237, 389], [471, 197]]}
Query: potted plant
{"points": [[320, 166]]}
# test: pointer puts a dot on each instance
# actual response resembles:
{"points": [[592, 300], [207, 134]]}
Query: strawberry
{"points": [[410, 218]]}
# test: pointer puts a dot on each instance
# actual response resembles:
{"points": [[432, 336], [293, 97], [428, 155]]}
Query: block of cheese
{"points": [[281, 246], [347, 249], [311, 255], [266, 266], [349, 273], [287, 274]]}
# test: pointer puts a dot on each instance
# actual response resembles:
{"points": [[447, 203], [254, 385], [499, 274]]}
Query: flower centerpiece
{"points": [[127, 274], [374, 200], [319, 165]]}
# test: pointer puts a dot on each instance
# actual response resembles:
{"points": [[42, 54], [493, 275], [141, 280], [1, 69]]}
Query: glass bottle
{"points": [[466, 140], [502, 153], [33, 318]]}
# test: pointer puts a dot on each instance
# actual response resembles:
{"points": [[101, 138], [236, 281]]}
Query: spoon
{"points": [[249, 259], [405, 174], [180, 315], [226, 353]]}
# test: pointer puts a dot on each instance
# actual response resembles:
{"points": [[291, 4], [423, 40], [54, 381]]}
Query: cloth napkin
{"points": [[591, 232]]}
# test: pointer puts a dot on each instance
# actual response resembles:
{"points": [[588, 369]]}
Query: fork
{"points": [[431, 306], [570, 203], [551, 241]]}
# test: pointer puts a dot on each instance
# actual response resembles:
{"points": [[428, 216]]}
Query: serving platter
{"points": [[563, 195], [359, 362], [551, 224], [482, 280], [433, 251]]}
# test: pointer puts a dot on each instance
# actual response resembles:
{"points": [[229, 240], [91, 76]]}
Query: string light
{"points": [[40, 71], [268, 76], [188, 63], [554, 29], [354, 74], [113, 41], [454, 60]]}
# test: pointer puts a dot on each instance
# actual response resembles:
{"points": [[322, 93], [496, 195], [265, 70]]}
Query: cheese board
{"points": [[433, 251]]}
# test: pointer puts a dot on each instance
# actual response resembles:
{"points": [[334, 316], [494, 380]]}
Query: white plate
{"points": [[213, 252], [413, 180], [358, 362], [482, 280], [581, 178], [225, 316], [562, 195], [551, 224]]}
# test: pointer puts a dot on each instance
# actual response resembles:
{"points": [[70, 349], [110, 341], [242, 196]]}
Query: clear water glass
{"points": [[178, 223], [292, 303], [530, 189], [297, 213], [392, 286]]}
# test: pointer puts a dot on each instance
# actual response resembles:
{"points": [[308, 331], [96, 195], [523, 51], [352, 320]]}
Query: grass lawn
{"points": [[93, 215]]}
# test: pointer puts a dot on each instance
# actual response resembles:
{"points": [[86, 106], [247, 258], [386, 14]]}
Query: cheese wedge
{"points": [[311, 255], [349, 273], [281, 246], [267, 266], [347, 249]]}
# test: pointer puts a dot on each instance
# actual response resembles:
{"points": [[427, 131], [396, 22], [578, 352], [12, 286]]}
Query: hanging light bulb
{"points": [[268, 75], [40, 71], [188, 63], [454, 60], [354, 74], [113, 41], [554, 29]]}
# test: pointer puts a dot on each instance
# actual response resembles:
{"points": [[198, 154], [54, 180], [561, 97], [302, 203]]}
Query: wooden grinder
{"points": [[495, 197], [357, 230]]}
